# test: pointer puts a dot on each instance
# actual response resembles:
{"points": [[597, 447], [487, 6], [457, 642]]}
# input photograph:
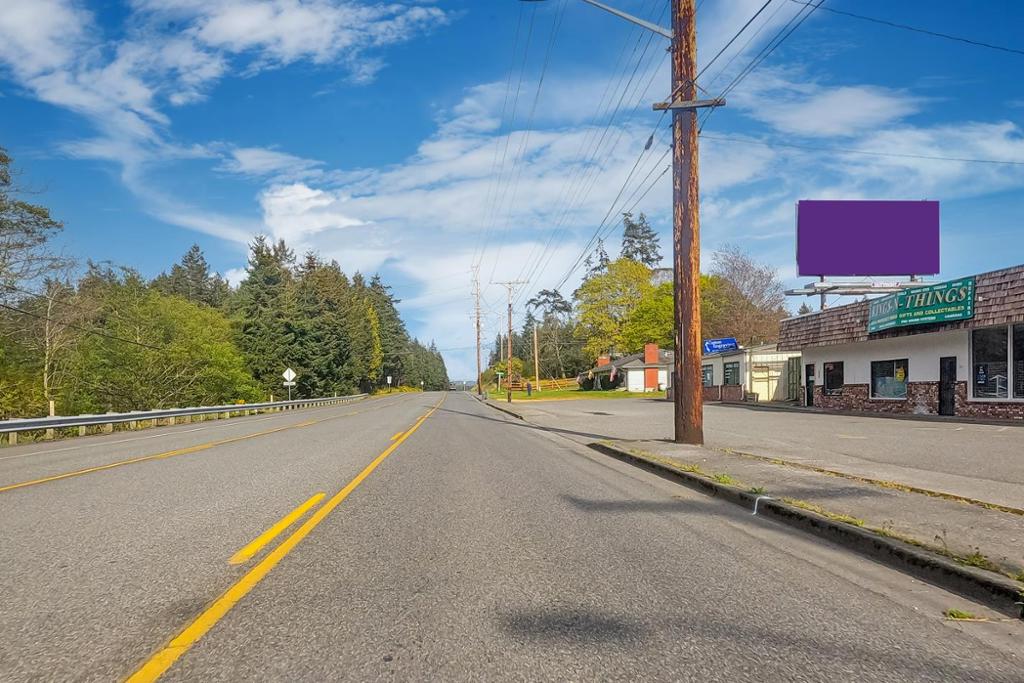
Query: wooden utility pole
{"points": [[476, 293], [687, 390], [536, 358], [510, 286]]}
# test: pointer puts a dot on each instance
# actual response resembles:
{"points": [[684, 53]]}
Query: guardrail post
{"points": [[12, 438], [81, 430], [108, 428], [171, 421], [133, 425]]}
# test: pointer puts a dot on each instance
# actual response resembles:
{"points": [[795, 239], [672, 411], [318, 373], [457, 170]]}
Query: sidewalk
{"points": [[976, 533]]}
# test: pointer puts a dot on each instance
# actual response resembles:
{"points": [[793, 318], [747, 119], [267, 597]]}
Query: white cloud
{"points": [[261, 162], [791, 103]]}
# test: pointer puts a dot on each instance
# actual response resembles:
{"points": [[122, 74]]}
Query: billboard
{"points": [[867, 237]]}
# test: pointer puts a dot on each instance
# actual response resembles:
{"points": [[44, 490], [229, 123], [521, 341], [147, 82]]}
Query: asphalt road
{"points": [[973, 460], [473, 547]]}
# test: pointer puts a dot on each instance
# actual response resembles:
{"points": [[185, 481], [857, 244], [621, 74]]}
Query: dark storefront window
{"points": [[708, 372], [889, 378], [1018, 361], [989, 363], [833, 378], [732, 373]]}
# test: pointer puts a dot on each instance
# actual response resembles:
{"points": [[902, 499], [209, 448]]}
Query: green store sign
{"points": [[939, 303]]}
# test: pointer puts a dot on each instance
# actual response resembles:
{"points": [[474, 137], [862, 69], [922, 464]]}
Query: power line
{"points": [[917, 29], [861, 151], [780, 37], [518, 162], [82, 329]]}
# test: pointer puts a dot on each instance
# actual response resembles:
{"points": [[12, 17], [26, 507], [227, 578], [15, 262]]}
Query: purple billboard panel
{"points": [[858, 237]]}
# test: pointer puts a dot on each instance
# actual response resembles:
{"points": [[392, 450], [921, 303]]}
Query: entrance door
{"points": [[947, 385], [809, 384]]}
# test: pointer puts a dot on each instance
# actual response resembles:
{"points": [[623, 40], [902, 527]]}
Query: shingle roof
{"points": [[665, 357], [998, 300]]}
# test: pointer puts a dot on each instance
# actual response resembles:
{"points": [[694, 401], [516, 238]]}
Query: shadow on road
{"points": [[583, 626], [630, 506], [527, 425]]}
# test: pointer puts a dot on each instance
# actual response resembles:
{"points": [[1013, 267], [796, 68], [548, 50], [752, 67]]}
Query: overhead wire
{"points": [[591, 170], [917, 29], [518, 162]]}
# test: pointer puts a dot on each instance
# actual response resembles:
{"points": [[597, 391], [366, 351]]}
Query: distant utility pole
{"points": [[536, 357], [476, 292], [510, 285]]}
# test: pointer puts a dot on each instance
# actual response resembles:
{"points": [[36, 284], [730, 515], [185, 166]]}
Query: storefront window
{"points": [[833, 378], [990, 364], [1018, 361], [732, 373], [889, 379], [708, 372]]}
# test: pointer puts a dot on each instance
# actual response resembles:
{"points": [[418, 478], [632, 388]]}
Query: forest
{"points": [[95, 337]]}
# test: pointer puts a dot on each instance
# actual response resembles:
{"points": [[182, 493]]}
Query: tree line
{"points": [[625, 303], [99, 337]]}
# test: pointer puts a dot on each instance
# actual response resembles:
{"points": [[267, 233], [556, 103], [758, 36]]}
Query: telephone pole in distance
{"points": [[510, 285]]}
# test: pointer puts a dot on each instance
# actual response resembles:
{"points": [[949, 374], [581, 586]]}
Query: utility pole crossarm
{"points": [[679, 105], [631, 19]]}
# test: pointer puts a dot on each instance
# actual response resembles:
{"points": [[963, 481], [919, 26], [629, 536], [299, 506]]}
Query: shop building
{"points": [[955, 348], [761, 373]]}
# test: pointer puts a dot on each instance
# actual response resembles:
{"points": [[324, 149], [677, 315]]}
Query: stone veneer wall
{"points": [[922, 399]]}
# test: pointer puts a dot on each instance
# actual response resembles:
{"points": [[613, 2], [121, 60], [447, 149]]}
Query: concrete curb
{"points": [[507, 411], [1001, 594]]}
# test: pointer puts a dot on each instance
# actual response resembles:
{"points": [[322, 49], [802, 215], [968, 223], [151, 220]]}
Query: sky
{"points": [[423, 138]]}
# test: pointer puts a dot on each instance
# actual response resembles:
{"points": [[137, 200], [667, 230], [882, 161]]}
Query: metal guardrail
{"points": [[58, 422]]}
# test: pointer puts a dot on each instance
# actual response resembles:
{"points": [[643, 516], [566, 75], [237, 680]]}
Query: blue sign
{"points": [[719, 345]]}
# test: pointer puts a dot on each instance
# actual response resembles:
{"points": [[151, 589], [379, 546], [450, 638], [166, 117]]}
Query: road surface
{"points": [[451, 543]]}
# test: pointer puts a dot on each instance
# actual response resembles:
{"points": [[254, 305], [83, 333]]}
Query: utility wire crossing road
{"points": [[420, 537]]}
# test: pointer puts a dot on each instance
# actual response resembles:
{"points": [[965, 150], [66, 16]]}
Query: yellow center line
{"points": [[396, 436], [179, 451], [160, 662], [270, 534]]}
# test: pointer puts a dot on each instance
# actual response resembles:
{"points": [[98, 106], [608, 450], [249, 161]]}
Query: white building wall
{"points": [[922, 351]]}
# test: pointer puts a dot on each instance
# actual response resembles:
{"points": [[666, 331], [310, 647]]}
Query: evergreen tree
{"points": [[192, 279], [265, 313], [639, 241], [602, 259], [804, 309]]}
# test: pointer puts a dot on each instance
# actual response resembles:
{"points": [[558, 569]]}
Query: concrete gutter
{"points": [[989, 588]]}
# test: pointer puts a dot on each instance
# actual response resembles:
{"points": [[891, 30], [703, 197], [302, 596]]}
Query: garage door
{"points": [[635, 380]]}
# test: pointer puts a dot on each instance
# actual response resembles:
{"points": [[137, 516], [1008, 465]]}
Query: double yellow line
{"points": [[160, 662], [179, 451]]}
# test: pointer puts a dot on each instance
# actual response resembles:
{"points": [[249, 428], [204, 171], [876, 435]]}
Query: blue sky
{"points": [[383, 134]]}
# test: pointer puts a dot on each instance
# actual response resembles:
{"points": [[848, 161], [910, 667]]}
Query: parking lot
{"points": [[985, 462]]}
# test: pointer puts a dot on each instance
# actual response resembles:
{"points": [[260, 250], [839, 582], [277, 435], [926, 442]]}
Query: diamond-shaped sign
{"points": [[288, 375]]}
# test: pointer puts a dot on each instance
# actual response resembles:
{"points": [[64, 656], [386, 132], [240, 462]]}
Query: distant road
{"points": [[450, 543]]}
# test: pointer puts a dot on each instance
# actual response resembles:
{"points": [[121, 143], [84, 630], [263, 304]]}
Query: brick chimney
{"points": [[603, 360], [650, 353]]}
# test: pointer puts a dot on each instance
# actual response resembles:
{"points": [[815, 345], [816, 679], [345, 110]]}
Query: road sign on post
{"points": [[289, 381]]}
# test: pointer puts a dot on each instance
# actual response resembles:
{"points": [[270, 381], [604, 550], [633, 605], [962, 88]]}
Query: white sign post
{"points": [[289, 381], [389, 384]]}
